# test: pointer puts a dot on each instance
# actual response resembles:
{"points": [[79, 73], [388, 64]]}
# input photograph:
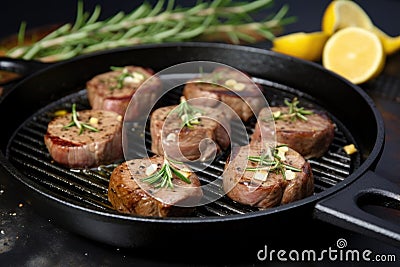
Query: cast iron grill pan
{"points": [[88, 188]]}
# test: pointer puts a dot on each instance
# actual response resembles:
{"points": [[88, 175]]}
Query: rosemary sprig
{"points": [[219, 20], [188, 113], [271, 161], [163, 177], [76, 122], [294, 111]]}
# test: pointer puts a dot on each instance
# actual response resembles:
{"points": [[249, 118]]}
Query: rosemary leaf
{"points": [[95, 15], [75, 117], [245, 37], [87, 126], [32, 51], [271, 161], [181, 176], [294, 111], [163, 177], [76, 122], [58, 32], [157, 8], [233, 37], [79, 17], [21, 33]]}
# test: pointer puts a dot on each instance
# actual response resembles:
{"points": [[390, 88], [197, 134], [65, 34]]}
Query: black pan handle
{"points": [[21, 67], [345, 208]]}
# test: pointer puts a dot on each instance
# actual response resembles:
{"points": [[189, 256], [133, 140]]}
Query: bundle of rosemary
{"points": [[216, 20]]}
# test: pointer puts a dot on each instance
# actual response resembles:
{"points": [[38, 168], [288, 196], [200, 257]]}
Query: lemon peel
{"points": [[308, 46]]}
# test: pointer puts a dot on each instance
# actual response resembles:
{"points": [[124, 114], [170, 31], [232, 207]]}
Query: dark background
{"points": [[43, 12], [35, 241]]}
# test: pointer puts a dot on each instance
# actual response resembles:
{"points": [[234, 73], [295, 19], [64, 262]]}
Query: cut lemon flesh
{"points": [[308, 46], [345, 13], [354, 53]]}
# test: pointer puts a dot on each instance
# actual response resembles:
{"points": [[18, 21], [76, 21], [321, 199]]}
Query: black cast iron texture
{"points": [[62, 79]]}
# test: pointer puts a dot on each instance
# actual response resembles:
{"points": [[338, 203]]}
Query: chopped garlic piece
{"points": [[184, 117], [185, 173], [290, 175], [151, 169], [239, 87], [276, 114], [119, 118], [171, 137], [230, 82], [282, 151], [350, 149], [93, 121], [130, 79], [261, 175], [138, 76]]}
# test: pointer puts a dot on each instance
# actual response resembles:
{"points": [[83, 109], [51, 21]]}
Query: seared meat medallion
{"points": [[201, 138], [97, 139], [229, 86], [283, 177], [113, 90], [309, 134], [128, 193]]}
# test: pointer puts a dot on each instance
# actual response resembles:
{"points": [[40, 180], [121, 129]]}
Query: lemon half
{"points": [[345, 13], [354, 53]]}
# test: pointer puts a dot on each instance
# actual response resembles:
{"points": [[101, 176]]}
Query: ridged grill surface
{"points": [[88, 188]]}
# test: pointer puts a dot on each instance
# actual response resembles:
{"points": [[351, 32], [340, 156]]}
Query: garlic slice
{"points": [[230, 82], [261, 175], [239, 87], [171, 137], [290, 175], [282, 151], [151, 169], [130, 79], [138, 76]]}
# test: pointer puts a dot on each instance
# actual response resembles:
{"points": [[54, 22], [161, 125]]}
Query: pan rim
{"points": [[366, 165]]}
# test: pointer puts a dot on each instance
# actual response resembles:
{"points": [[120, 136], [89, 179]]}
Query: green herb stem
{"points": [[154, 24], [163, 177], [76, 122], [270, 161], [294, 112], [188, 113]]}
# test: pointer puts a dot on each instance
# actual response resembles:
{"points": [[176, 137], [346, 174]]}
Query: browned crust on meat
{"points": [[103, 93], [275, 190], [245, 103], [67, 147], [188, 139], [127, 196], [310, 138]]}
